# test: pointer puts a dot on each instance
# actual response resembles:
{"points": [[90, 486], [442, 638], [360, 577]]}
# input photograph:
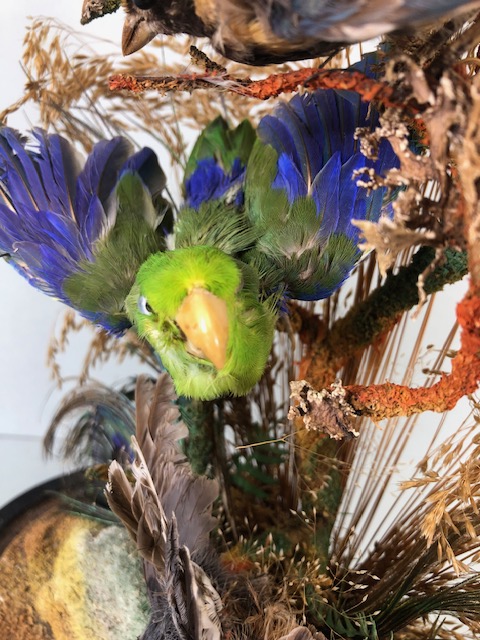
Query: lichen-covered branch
{"points": [[378, 314], [270, 87], [388, 400], [92, 9]]}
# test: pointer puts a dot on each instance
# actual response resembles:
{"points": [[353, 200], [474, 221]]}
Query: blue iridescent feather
{"points": [[210, 181], [216, 167], [318, 155], [317, 166], [54, 213]]}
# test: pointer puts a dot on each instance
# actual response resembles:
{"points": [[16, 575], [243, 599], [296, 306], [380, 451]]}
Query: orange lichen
{"points": [[270, 87], [388, 400]]}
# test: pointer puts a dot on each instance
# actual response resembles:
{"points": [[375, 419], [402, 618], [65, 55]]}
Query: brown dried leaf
{"points": [[325, 411]]}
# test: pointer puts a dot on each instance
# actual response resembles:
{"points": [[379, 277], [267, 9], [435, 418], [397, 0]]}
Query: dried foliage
{"points": [[68, 80], [421, 559], [101, 348]]}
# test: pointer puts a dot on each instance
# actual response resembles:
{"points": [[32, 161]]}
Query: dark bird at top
{"points": [[260, 32]]}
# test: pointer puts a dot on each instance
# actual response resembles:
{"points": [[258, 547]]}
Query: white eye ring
{"points": [[144, 307]]}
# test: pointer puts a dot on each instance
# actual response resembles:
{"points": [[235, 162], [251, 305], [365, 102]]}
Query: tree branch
{"points": [[272, 86], [378, 314]]}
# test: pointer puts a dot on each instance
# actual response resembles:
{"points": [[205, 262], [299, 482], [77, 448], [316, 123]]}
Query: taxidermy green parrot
{"points": [[266, 217]]}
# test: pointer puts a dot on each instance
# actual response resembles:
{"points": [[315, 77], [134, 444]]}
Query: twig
{"points": [[271, 86], [388, 400], [379, 313], [92, 9]]}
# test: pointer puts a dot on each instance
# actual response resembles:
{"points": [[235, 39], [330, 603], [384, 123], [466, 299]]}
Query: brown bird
{"points": [[260, 32]]}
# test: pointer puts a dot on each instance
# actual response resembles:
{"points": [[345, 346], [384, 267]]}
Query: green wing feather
{"points": [[135, 236], [226, 145], [288, 252]]}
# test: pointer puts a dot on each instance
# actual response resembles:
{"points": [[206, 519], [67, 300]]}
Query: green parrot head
{"points": [[201, 311]]}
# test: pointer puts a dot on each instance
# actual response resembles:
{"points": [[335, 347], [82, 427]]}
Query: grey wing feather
{"points": [[159, 430], [168, 513], [194, 602]]}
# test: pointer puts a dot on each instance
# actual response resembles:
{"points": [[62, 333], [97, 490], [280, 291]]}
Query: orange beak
{"points": [[203, 318]]}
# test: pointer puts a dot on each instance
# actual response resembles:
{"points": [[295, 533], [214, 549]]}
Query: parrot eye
{"points": [[144, 4], [144, 307]]}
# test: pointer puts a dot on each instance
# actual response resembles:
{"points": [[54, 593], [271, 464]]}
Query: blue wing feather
{"points": [[325, 193], [53, 211], [209, 181], [58, 186], [289, 178], [145, 163], [318, 155], [352, 197], [94, 226], [17, 168], [306, 136], [100, 174]]}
